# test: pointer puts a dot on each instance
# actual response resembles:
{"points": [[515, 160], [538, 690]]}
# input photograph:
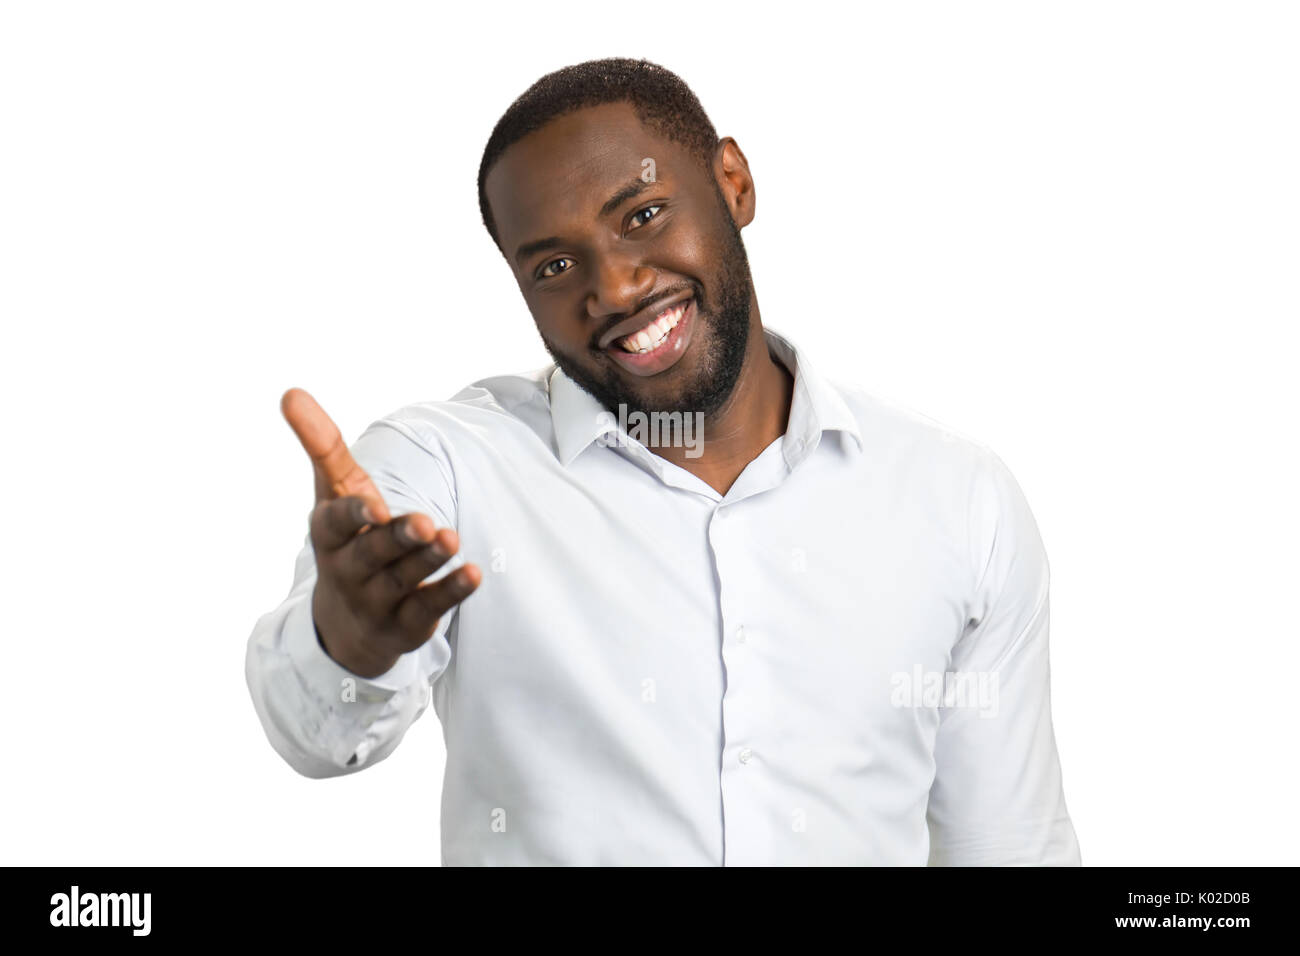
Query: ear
{"points": [[731, 170]]}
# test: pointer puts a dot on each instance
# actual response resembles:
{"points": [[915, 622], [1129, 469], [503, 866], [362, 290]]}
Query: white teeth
{"points": [[654, 334]]}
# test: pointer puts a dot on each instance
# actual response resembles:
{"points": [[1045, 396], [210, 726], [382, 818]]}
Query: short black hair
{"points": [[661, 99]]}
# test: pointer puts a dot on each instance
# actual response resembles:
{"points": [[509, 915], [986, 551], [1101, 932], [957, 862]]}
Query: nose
{"points": [[618, 284]]}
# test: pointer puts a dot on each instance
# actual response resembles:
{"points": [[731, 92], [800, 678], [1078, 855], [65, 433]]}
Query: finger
{"points": [[372, 551], [336, 522], [386, 588], [338, 473], [418, 614]]}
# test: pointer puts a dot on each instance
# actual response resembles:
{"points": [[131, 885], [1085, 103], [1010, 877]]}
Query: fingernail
{"points": [[367, 515]]}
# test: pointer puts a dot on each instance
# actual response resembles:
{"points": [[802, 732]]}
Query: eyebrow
{"points": [[537, 245], [633, 188], [622, 196]]}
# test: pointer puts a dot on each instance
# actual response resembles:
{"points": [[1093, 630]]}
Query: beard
{"points": [[721, 349]]}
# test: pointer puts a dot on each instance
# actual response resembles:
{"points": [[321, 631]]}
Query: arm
{"points": [[323, 718], [997, 798]]}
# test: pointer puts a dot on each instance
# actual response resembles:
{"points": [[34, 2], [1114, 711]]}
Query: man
{"points": [[730, 612]]}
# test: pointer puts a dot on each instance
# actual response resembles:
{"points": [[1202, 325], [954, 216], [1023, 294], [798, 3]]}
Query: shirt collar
{"points": [[816, 406]]}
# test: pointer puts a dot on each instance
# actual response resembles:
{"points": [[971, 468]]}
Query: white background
{"points": [[1066, 230]]}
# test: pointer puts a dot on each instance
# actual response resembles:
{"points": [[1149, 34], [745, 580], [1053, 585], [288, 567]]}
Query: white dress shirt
{"points": [[843, 660]]}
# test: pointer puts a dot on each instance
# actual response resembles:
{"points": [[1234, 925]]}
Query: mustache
{"points": [[645, 303]]}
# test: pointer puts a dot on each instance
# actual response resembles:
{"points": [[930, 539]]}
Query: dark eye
{"points": [[545, 272], [652, 210]]}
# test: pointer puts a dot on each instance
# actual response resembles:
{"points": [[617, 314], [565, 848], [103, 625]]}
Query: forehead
{"points": [[564, 172]]}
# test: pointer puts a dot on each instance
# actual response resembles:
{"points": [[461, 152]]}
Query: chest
{"points": [[817, 592]]}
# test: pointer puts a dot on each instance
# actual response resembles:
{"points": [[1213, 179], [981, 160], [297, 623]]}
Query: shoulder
{"points": [[951, 473], [901, 435], [421, 449], [485, 411], [950, 469]]}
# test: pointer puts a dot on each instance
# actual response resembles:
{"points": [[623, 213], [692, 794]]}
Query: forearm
{"points": [[323, 719]]}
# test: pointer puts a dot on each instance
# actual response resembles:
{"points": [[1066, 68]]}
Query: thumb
{"points": [[337, 472]]}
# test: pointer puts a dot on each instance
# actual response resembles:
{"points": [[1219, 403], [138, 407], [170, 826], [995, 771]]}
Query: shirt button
{"points": [[740, 634], [746, 755]]}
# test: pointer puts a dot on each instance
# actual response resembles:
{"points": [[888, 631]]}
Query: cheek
{"points": [[543, 322], [688, 246], [568, 337]]}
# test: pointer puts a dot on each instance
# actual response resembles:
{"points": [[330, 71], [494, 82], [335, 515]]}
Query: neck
{"points": [[755, 415]]}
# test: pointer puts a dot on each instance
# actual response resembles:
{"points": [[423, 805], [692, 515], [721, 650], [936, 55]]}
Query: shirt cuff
{"points": [[330, 678]]}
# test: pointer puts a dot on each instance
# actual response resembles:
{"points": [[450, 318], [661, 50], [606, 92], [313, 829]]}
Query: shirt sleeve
{"points": [[322, 719], [997, 797]]}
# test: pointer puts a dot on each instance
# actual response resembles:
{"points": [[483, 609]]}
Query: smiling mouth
{"points": [[659, 345], [655, 334]]}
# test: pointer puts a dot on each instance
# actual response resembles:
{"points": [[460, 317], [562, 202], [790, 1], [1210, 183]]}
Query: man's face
{"points": [[599, 253]]}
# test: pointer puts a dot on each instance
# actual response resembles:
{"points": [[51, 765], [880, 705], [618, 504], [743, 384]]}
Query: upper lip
{"points": [[643, 318]]}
